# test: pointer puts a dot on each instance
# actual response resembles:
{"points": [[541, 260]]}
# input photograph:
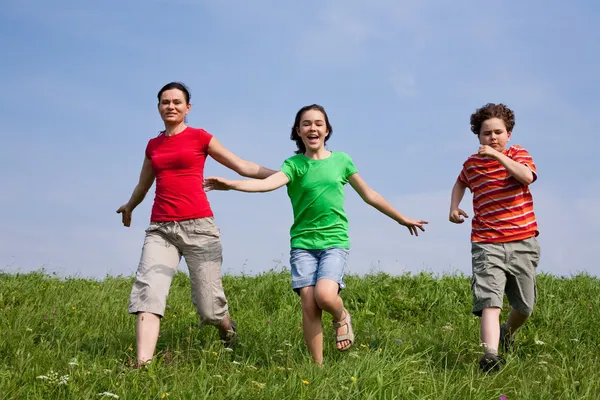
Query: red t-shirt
{"points": [[503, 206], [178, 164]]}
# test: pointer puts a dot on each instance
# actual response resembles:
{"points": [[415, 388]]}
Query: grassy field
{"points": [[416, 339]]}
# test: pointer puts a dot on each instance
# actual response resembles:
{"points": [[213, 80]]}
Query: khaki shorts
{"points": [[505, 267], [198, 241]]}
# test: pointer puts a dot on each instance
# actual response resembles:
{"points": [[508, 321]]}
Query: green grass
{"points": [[416, 339]]}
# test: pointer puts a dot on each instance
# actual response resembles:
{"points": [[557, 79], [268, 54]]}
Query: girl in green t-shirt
{"points": [[315, 179]]}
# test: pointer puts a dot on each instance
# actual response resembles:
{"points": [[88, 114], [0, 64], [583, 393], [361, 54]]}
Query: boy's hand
{"points": [[413, 224], [487, 151], [215, 183], [457, 215]]}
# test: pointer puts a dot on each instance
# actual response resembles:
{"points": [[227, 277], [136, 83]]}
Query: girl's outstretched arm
{"points": [[275, 181], [374, 199], [245, 168]]}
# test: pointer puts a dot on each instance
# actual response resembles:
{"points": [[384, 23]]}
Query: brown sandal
{"points": [[347, 320]]}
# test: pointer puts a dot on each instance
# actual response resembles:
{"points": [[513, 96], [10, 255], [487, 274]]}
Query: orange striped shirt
{"points": [[503, 206]]}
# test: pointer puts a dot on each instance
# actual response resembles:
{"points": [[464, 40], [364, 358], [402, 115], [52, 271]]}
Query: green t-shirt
{"points": [[316, 189]]}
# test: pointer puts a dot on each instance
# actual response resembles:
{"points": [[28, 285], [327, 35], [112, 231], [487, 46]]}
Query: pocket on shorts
{"points": [[154, 226], [478, 265], [206, 227], [533, 247], [538, 252], [478, 259]]}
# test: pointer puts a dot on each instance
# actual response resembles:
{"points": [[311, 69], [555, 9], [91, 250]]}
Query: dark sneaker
{"points": [[490, 363], [229, 338], [507, 342]]}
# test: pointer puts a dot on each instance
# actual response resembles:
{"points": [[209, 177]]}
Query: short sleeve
{"points": [[522, 156], [148, 151], [462, 177], [289, 169], [349, 167], [204, 138]]}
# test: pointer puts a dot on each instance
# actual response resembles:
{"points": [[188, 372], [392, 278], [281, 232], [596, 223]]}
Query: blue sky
{"points": [[399, 80]]}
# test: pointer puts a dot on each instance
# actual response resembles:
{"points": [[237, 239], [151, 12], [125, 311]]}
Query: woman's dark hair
{"points": [[176, 85], [491, 110], [295, 137]]}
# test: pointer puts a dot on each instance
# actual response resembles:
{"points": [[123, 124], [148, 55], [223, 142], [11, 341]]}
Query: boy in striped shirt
{"points": [[505, 251]]}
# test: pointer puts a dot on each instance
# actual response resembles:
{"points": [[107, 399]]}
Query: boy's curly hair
{"points": [[491, 110]]}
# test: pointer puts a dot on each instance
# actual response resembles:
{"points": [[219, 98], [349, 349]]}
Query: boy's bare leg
{"points": [[147, 329], [515, 321], [311, 323], [490, 329]]}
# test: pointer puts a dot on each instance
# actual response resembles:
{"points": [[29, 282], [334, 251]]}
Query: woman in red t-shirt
{"points": [[181, 223]]}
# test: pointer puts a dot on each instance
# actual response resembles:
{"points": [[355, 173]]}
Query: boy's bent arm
{"points": [[245, 168], [374, 199], [275, 181], [520, 172]]}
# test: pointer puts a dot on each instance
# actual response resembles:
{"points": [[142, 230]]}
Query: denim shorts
{"points": [[309, 266]]}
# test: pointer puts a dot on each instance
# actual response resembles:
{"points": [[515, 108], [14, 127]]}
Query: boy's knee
{"points": [[488, 302], [525, 311]]}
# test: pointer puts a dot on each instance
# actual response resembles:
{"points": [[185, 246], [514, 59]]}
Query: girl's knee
{"points": [[309, 305], [326, 299]]}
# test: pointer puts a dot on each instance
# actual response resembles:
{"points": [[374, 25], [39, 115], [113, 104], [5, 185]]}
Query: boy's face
{"points": [[493, 133]]}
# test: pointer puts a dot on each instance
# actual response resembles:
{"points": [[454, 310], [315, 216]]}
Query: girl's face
{"points": [[313, 130], [173, 107]]}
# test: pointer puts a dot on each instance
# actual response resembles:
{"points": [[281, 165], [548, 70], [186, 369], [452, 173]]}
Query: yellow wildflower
{"points": [[258, 384]]}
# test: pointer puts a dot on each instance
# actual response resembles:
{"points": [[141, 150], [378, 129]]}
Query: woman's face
{"points": [[173, 106]]}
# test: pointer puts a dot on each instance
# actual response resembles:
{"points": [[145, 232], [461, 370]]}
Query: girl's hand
{"points": [[413, 224], [216, 183]]}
